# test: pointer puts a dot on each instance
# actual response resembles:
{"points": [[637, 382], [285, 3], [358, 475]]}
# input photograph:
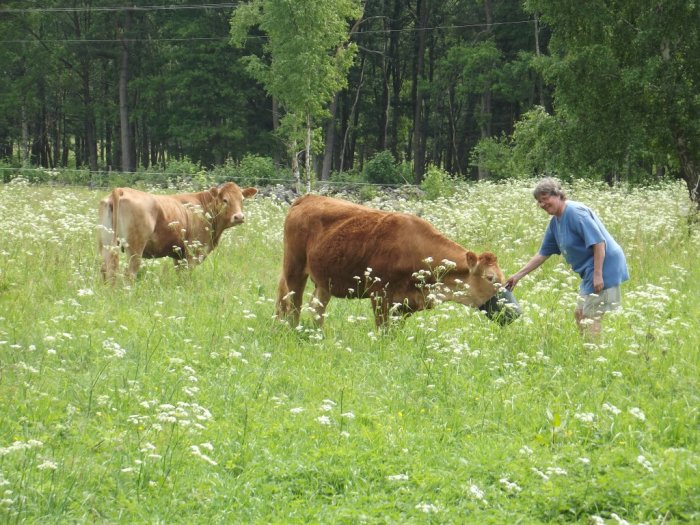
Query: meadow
{"points": [[179, 399]]}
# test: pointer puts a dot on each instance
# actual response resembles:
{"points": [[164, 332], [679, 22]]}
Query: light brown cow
{"points": [[185, 226], [395, 259]]}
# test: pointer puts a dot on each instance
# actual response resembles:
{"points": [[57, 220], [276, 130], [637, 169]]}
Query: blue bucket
{"points": [[502, 307]]}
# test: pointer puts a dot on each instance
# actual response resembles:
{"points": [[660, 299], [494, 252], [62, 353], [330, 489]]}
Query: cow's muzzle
{"points": [[502, 307]]}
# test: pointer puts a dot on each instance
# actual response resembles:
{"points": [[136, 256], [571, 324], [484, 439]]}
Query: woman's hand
{"points": [[598, 283], [512, 282]]}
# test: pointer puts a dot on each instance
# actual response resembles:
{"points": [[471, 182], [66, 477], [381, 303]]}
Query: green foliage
{"points": [[351, 176], [382, 169], [437, 183], [255, 170], [626, 80], [367, 192], [536, 144], [251, 170], [305, 60], [495, 154]]}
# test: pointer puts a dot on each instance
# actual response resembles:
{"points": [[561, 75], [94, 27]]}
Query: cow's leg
{"points": [[290, 292], [134, 252], [110, 262], [380, 306], [319, 302], [105, 236]]}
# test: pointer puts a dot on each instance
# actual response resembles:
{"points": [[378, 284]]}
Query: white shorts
{"points": [[595, 305]]}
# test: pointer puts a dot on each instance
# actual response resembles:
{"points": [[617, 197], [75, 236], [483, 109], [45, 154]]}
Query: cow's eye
{"points": [[225, 200]]}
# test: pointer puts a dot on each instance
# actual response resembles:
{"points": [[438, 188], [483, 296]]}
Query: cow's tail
{"points": [[107, 240], [116, 194]]}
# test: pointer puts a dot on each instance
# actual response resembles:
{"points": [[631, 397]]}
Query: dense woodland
{"points": [[480, 88]]}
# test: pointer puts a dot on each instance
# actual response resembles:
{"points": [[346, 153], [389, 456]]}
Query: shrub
{"points": [[437, 183], [367, 193], [255, 170], [382, 169], [494, 154]]}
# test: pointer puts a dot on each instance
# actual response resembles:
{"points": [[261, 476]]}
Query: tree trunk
{"points": [[307, 153], [540, 84], [295, 165], [385, 97], [24, 147], [329, 140], [89, 119], [394, 52], [418, 143], [351, 122], [486, 96], [277, 158], [689, 168], [124, 126]]}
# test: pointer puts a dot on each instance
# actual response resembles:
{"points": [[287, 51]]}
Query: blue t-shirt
{"points": [[573, 236]]}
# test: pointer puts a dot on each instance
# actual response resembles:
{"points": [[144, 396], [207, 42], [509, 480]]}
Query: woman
{"points": [[578, 234]]}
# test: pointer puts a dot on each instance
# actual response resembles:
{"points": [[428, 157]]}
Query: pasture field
{"points": [[180, 399]]}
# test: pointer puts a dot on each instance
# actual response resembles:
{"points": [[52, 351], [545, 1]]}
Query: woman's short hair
{"points": [[549, 186]]}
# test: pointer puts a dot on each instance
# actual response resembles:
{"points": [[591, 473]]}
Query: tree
{"points": [[306, 58], [627, 83]]}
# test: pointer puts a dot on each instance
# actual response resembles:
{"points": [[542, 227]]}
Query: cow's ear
{"points": [[214, 192], [472, 261], [249, 192], [488, 259]]}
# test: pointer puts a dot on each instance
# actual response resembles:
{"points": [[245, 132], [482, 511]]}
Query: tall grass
{"points": [[180, 400]]}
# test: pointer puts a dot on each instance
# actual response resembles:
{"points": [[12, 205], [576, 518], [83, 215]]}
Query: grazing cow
{"points": [[399, 261], [185, 227]]}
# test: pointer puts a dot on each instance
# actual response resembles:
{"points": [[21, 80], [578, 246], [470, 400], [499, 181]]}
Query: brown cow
{"points": [[185, 226], [400, 261]]}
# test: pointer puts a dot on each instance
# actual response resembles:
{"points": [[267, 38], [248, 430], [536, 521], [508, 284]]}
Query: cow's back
{"points": [[338, 241]]}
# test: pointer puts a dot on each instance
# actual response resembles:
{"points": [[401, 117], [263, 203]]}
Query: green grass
{"points": [[180, 400]]}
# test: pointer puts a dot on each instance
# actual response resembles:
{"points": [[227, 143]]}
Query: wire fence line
{"points": [[106, 178]]}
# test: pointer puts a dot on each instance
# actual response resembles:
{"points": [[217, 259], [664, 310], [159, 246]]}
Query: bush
{"points": [[252, 170], [382, 169], [255, 170], [496, 156], [437, 183], [535, 143]]}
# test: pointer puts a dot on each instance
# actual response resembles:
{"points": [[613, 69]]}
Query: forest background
{"points": [[321, 88]]}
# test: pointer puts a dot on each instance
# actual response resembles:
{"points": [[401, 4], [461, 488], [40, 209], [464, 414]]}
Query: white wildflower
{"points": [[541, 474], [611, 408], [398, 477], [618, 519], [47, 465], [585, 417], [510, 486], [427, 508], [637, 412], [477, 493], [644, 462]]}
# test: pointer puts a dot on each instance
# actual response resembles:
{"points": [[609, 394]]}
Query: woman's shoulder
{"points": [[578, 208]]}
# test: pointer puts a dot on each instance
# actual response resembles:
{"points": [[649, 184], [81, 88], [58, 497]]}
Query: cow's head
{"points": [[485, 267], [484, 277], [228, 204]]}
